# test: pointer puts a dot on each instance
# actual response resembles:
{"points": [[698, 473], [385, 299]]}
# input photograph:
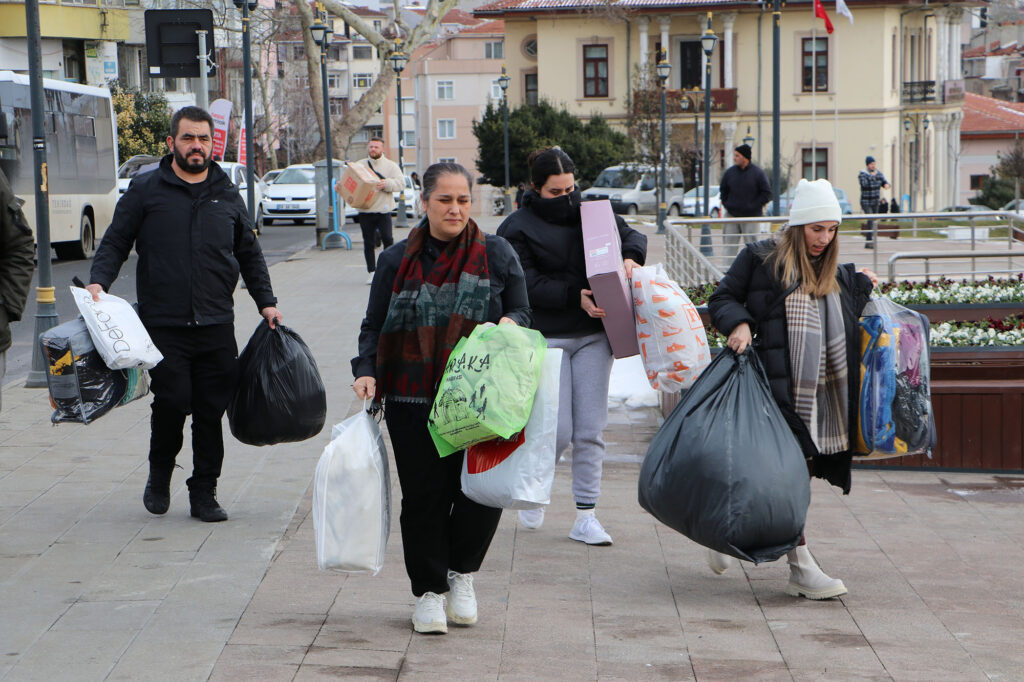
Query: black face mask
{"points": [[559, 210]]}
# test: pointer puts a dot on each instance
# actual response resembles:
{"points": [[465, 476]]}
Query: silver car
{"points": [[633, 189]]}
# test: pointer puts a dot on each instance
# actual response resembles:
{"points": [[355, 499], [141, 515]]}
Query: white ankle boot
{"points": [[806, 579], [718, 562]]}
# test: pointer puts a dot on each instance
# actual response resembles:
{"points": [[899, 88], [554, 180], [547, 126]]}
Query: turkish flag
{"points": [[819, 11]]}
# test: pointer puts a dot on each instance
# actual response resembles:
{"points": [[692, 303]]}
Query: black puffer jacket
{"points": [[550, 248], [751, 293], [191, 250]]}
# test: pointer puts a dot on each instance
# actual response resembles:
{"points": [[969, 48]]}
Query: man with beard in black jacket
{"points": [[192, 232]]}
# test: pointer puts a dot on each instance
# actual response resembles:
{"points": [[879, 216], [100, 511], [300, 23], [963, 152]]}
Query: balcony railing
{"points": [[723, 100], [918, 91]]}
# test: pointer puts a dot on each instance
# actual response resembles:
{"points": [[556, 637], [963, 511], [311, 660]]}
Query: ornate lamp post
{"points": [[322, 36], [748, 139], [664, 70], [707, 43], [398, 61], [503, 82]]}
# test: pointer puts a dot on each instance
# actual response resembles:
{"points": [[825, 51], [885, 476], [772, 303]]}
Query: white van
{"points": [[633, 189]]}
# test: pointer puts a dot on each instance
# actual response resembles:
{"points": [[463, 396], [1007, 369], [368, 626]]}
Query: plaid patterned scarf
{"points": [[817, 356], [429, 312]]}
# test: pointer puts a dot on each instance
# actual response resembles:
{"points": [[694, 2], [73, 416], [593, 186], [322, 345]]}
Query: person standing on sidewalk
{"points": [[805, 308], [17, 263], [375, 220], [744, 191], [429, 291], [191, 230], [547, 234], [871, 182]]}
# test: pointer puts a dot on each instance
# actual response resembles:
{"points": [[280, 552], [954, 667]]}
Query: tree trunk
{"points": [[364, 109], [316, 93], [270, 135]]}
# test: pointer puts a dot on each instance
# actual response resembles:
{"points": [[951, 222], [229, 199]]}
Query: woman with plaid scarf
{"points": [[429, 291], [791, 300]]}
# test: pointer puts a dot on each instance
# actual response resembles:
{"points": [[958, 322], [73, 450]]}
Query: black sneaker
{"points": [[205, 506], [157, 496]]}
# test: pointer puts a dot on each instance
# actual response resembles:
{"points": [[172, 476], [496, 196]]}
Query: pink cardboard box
{"points": [[602, 250]]}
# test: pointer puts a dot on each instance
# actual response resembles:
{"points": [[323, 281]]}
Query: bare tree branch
{"points": [[316, 92]]}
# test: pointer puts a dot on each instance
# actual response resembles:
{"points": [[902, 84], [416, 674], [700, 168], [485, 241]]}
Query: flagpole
{"points": [[835, 110], [814, 90]]}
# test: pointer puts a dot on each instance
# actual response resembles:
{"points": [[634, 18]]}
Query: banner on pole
{"points": [[220, 110], [241, 145]]}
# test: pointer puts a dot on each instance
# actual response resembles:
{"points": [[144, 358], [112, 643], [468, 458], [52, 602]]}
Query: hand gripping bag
{"points": [[517, 473], [724, 469], [487, 387], [670, 333], [280, 397], [117, 332], [895, 416], [352, 498], [82, 387]]}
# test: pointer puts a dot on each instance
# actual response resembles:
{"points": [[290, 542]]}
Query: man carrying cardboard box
{"points": [[376, 218]]}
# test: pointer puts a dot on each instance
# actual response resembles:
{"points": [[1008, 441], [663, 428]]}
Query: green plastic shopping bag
{"points": [[487, 388]]}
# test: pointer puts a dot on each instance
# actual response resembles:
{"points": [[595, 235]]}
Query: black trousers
{"points": [[197, 376], [441, 528], [370, 224], [868, 226]]}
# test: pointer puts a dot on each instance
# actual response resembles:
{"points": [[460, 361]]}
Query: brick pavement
{"points": [[92, 587]]}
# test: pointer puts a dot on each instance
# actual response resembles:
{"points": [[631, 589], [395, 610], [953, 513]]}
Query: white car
{"points": [[1015, 206], [412, 200], [292, 196], [236, 173], [696, 196], [270, 176], [138, 164]]}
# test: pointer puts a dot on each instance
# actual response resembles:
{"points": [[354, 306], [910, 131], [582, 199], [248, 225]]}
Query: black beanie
{"points": [[869, 160], [744, 149]]}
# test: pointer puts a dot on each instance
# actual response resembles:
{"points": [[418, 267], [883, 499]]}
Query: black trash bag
{"points": [[82, 387], [280, 396], [725, 470]]}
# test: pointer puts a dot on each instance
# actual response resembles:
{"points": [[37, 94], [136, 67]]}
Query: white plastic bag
{"points": [[517, 473], [352, 498], [117, 332], [673, 343]]}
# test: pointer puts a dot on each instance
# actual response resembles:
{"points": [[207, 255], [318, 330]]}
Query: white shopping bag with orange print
{"points": [[673, 343]]}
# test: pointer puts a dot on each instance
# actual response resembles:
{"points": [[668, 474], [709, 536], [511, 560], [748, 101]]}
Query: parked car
{"points": [[633, 189], [412, 200], [786, 199], [270, 176], [140, 163], [1017, 206], [696, 196], [236, 173], [292, 196]]}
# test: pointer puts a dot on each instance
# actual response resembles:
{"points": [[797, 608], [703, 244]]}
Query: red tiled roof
{"points": [[458, 16], [496, 26], [365, 11], [994, 49], [988, 116], [515, 6]]}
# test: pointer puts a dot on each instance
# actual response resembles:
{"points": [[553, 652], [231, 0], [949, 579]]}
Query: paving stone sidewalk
{"points": [[92, 587]]}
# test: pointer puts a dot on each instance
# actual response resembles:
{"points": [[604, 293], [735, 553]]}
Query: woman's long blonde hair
{"points": [[792, 263]]}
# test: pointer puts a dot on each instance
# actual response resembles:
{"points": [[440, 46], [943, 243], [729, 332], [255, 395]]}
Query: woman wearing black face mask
{"points": [[547, 235]]}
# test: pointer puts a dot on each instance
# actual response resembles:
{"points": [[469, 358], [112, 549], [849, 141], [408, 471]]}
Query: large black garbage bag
{"points": [[280, 396], [724, 469], [82, 387]]}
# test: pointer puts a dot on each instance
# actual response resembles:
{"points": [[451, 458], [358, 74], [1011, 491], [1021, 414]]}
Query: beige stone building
{"points": [[888, 85]]}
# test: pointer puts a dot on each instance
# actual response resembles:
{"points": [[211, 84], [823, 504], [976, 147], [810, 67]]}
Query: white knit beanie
{"points": [[814, 202]]}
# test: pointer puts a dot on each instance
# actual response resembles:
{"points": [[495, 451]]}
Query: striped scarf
{"points": [[430, 311], [817, 356]]}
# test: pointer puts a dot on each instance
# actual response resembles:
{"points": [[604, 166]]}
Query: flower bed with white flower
{"points": [[947, 291]]}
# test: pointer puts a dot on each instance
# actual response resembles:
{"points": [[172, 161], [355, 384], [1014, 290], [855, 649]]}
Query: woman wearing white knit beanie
{"points": [[791, 300]]}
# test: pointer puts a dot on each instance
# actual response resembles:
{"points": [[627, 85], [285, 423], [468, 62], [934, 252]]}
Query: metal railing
{"points": [[963, 241]]}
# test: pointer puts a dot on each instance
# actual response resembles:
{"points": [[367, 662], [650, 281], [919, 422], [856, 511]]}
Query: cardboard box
{"points": [[357, 185], [602, 251]]}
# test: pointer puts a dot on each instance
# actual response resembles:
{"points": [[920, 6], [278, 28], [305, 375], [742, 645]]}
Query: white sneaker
{"points": [[461, 602], [589, 530], [369, 280], [718, 562], [531, 518], [806, 579], [429, 614]]}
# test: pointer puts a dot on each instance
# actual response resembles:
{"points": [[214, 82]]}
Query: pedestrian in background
{"points": [[744, 191], [871, 183], [192, 233], [375, 220], [520, 191], [17, 263], [429, 291], [804, 308], [547, 234]]}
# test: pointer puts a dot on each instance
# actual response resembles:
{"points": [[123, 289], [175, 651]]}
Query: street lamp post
{"points": [[707, 43], [322, 34], [398, 61], [248, 6], [664, 69], [503, 82], [748, 139], [916, 124]]}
